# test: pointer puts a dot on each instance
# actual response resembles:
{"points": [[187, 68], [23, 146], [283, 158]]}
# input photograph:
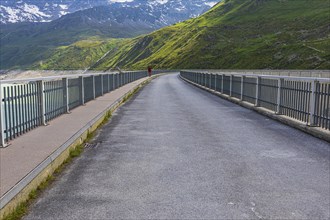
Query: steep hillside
{"points": [[272, 34], [83, 54]]}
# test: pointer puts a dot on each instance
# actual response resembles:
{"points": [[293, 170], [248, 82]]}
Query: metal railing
{"points": [[29, 103], [293, 73], [303, 99]]}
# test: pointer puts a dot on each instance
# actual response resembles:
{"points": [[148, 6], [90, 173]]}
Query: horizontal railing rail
{"points": [[302, 98], [292, 73], [29, 103]]}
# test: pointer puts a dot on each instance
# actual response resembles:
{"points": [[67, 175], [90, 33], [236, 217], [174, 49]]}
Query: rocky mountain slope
{"points": [[167, 11], [240, 34], [23, 43], [42, 10]]}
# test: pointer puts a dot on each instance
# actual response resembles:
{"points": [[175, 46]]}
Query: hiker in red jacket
{"points": [[149, 70]]}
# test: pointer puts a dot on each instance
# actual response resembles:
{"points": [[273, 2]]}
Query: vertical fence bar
{"points": [[113, 81], [82, 91], [26, 124], [16, 111], [109, 88], [279, 90], [312, 103], [9, 126], [66, 94], [33, 101], [242, 87], [257, 91], [2, 119], [222, 78], [215, 82], [42, 102], [102, 86], [19, 108], [93, 84], [231, 85]]}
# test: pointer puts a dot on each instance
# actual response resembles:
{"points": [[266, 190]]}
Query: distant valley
{"points": [[234, 34], [24, 43]]}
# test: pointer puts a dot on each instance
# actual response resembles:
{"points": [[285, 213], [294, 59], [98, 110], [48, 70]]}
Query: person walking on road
{"points": [[149, 70]]}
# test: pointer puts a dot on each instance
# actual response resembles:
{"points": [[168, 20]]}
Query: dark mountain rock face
{"points": [[164, 11], [32, 29]]}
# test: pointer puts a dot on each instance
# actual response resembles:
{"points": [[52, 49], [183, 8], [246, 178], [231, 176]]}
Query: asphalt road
{"points": [[177, 152]]}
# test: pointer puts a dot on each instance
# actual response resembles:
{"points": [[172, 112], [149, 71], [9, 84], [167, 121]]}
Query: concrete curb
{"points": [[20, 192], [315, 131]]}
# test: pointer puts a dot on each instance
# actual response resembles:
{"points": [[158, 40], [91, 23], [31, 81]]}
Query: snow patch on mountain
{"points": [[168, 11], [211, 4], [22, 13], [119, 1]]}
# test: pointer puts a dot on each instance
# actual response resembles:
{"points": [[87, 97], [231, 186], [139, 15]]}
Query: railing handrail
{"points": [[265, 76], [70, 76]]}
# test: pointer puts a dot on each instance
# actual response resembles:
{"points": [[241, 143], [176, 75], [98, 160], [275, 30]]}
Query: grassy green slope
{"points": [[291, 34], [23, 44], [79, 55]]}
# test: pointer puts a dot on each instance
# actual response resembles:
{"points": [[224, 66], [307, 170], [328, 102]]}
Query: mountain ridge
{"points": [[252, 34], [46, 11], [26, 43]]}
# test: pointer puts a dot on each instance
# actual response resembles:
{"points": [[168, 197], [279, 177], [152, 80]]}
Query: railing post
{"points": [[102, 86], [257, 91], [222, 78], [242, 87], [2, 119], [215, 82], [203, 79], [42, 102], [113, 81], [206, 81], [94, 92], [279, 91], [66, 94], [108, 75], [82, 90], [312, 103], [231, 85]]}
